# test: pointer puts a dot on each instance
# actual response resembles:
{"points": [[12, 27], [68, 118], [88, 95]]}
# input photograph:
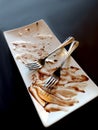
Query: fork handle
{"points": [[65, 43], [73, 46]]}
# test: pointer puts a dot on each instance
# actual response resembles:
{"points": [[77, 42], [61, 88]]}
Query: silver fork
{"points": [[54, 78], [38, 64]]}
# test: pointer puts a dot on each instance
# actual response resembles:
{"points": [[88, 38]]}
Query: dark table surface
{"points": [[78, 18]]}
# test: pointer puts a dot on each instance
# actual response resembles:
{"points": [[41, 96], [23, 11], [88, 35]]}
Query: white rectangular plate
{"points": [[37, 33]]}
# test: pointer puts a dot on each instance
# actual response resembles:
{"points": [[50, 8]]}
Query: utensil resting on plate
{"points": [[54, 78], [38, 64]]}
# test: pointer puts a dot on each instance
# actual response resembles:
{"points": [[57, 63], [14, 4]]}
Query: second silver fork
{"points": [[54, 78]]}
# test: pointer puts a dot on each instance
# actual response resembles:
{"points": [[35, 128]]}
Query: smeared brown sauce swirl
{"points": [[63, 94]]}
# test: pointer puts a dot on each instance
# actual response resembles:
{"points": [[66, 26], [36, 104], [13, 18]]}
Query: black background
{"points": [[78, 18]]}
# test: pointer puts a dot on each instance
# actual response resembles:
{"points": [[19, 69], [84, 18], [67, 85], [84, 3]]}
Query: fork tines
{"points": [[51, 81], [34, 65]]}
